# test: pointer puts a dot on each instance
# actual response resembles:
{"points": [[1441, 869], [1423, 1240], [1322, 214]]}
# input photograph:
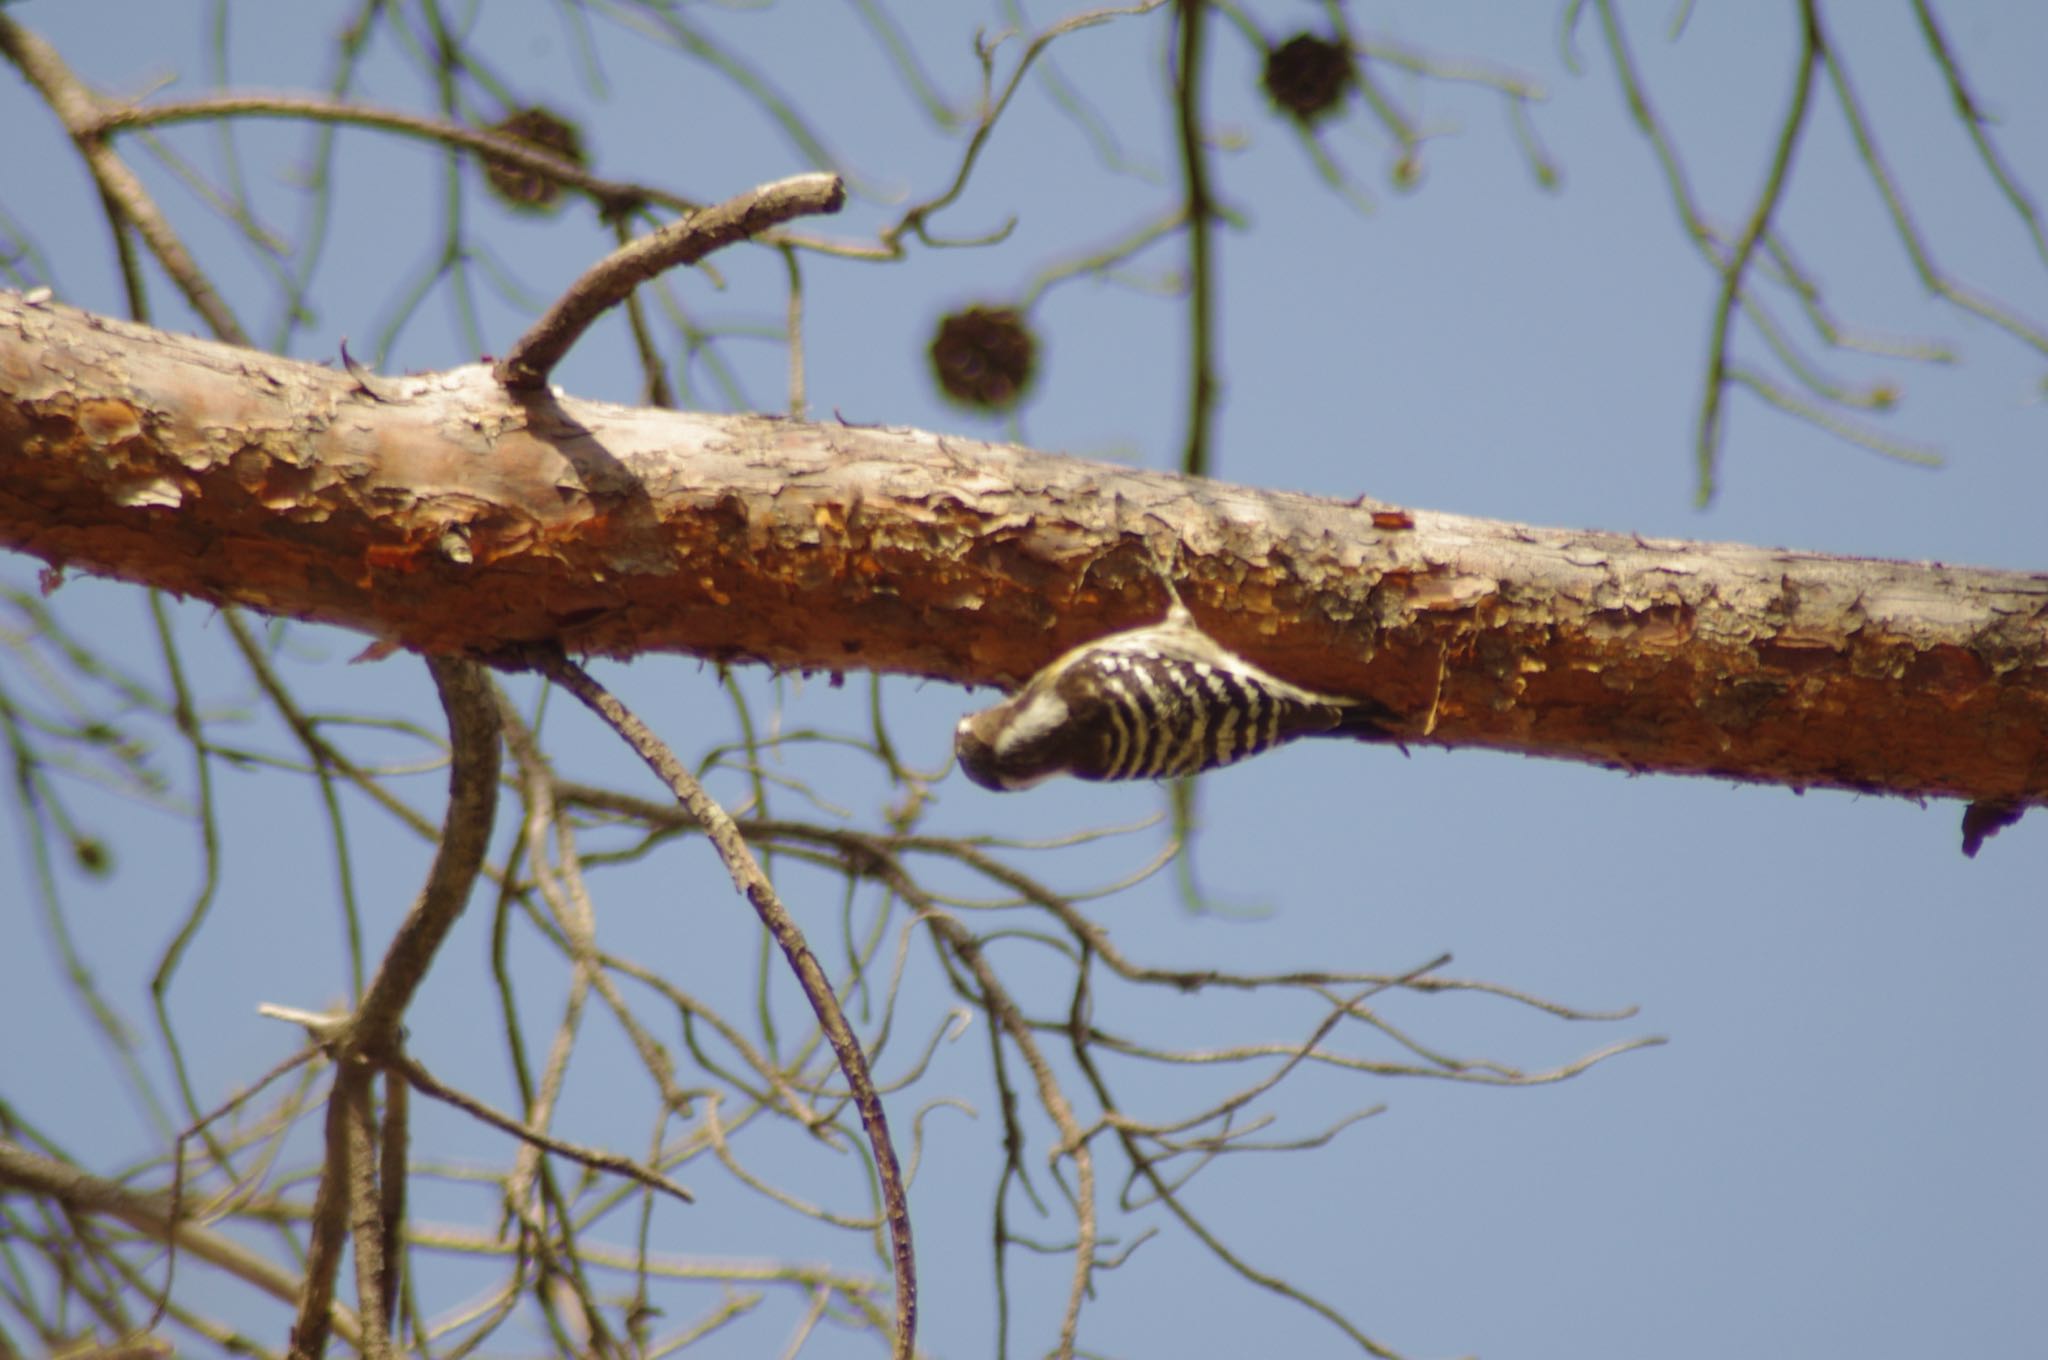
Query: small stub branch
{"points": [[607, 283]]}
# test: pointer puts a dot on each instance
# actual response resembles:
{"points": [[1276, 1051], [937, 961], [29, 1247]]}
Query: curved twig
{"points": [[595, 1158], [817, 988], [608, 282], [347, 1182]]}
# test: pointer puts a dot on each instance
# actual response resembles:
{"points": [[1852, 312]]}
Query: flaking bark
{"points": [[441, 514]]}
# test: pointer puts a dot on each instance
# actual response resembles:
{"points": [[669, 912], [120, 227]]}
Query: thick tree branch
{"points": [[441, 515]]}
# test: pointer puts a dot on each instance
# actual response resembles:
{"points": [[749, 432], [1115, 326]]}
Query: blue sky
{"points": [[1837, 1151]]}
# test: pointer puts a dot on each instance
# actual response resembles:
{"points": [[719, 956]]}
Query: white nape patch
{"points": [[1043, 712]]}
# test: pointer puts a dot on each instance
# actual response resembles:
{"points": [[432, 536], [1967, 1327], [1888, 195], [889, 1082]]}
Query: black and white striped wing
{"points": [[1149, 703], [1143, 714]]}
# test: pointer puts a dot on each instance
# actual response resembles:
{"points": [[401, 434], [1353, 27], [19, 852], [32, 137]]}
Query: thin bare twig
{"points": [[395, 1142], [611, 196], [176, 1208], [355, 1100], [1073, 1141], [817, 988], [1201, 209], [1167, 1196], [329, 1228], [1918, 249], [595, 1158], [915, 219], [1736, 266], [608, 282], [1972, 117], [78, 109], [151, 1214]]}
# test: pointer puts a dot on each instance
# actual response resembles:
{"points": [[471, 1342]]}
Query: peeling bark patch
{"points": [[1660, 626], [1798, 655], [1449, 593], [107, 423], [276, 486], [1947, 670], [150, 493]]}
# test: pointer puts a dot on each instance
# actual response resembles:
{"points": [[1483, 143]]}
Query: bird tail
{"points": [[1367, 720]]}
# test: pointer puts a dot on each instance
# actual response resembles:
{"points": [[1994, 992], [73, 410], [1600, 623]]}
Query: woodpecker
{"points": [[1150, 703]]}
